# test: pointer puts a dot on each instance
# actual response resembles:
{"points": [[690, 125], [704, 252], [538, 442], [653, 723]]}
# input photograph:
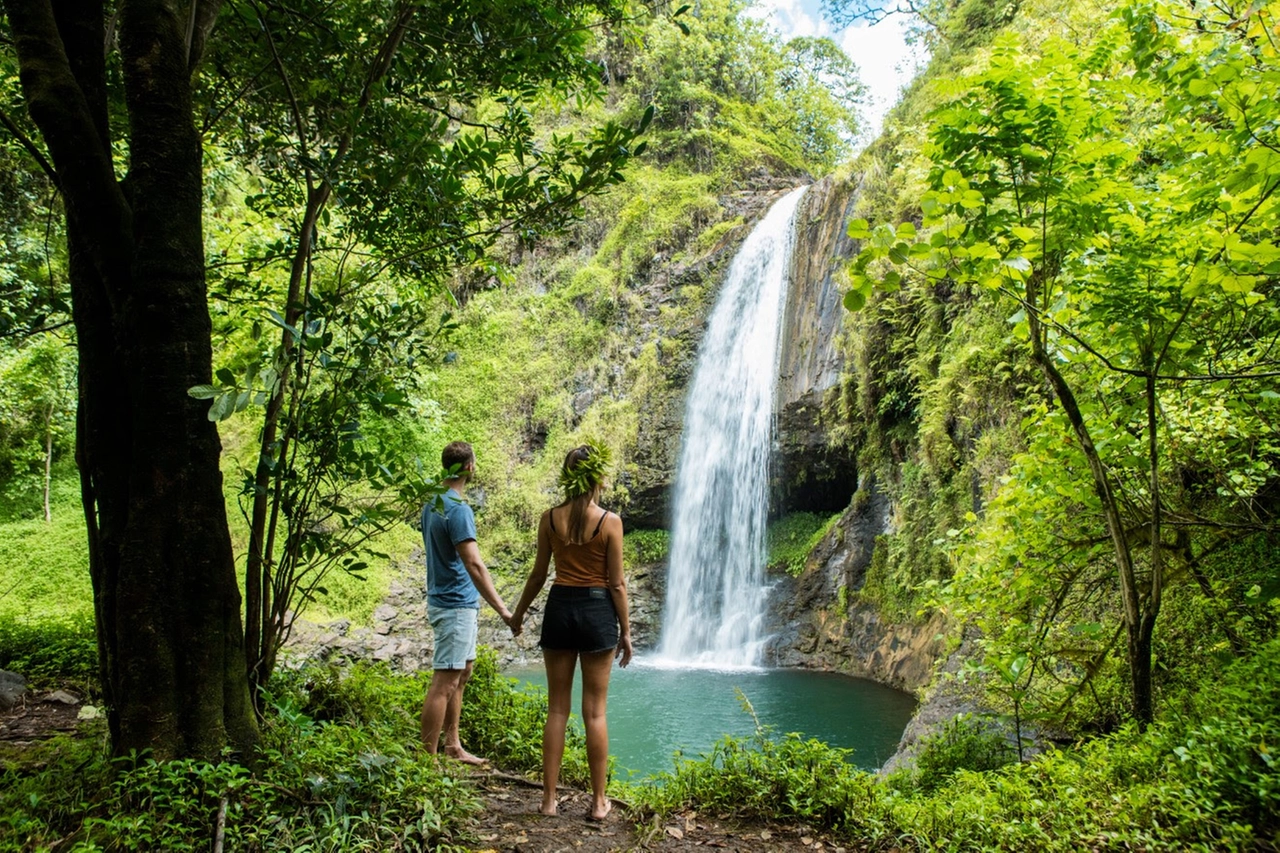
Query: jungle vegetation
{"points": [[261, 261]]}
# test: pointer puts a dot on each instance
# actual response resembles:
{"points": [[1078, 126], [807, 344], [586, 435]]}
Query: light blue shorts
{"points": [[455, 630]]}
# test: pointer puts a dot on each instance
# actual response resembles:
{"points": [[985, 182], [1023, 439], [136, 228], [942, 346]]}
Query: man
{"points": [[456, 579]]}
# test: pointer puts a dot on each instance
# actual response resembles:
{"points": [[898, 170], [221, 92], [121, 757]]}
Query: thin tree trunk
{"points": [[1144, 705], [262, 632], [48, 461], [1139, 651]]}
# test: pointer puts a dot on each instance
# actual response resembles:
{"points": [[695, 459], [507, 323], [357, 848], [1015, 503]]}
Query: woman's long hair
{"points": [[577, 532]]}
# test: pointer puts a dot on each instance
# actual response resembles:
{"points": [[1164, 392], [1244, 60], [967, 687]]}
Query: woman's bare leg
{"points": [[595, 696], [560, 665]]}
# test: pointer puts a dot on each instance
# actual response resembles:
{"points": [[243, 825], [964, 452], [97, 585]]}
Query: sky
{"points": [[883, 57]]}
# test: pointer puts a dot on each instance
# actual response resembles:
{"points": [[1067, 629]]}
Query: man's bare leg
{"points": [[444, 686], [452, 718]]}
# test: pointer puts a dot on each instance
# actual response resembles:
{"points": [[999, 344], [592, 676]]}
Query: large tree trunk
{"points": [[165, 594]]}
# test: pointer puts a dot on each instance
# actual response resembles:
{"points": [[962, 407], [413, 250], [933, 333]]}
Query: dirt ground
{"points": [[34, 719], [511, 824]]}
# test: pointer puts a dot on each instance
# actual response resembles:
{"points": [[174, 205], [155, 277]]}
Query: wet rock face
{"points": [[807, 473], [810, 360], [818, 623]]}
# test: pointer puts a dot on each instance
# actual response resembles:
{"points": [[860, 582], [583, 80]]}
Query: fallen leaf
{"points": [[493, 837], [806, 840], [675, 832], [766, 835]]}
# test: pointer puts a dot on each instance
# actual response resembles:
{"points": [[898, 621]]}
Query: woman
{"points": [[586, 606]]}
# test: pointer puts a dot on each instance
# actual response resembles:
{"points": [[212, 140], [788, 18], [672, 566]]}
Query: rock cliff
{"points": [[818, 621], [809, 472]]}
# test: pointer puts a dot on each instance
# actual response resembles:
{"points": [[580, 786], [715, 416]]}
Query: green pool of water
{"points": [[653, 712]]}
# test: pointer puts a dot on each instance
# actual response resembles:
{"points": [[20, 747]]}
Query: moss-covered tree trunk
{"points": [[165, 594]]}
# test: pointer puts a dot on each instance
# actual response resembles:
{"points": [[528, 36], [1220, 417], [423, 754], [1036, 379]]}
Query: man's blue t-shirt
{"points": [[448, 584]]}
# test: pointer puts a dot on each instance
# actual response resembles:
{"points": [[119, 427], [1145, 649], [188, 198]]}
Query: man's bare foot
{"points": [[601, 812], [457, 753]]}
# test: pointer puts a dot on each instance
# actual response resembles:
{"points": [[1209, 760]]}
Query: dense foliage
{"points": [[339, 771], [1114, 201]]}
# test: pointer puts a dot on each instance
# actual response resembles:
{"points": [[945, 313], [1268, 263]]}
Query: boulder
{"points": [[12, 688], [61, 697]]}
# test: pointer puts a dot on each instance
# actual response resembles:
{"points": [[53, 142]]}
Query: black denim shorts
{"points": [[579, 619]]}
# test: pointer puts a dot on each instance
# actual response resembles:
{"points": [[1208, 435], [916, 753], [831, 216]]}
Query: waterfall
{"points": [[716, 587]]}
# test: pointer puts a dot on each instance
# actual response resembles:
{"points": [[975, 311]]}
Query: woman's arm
{"points": [[618, 585], [537, 575]]}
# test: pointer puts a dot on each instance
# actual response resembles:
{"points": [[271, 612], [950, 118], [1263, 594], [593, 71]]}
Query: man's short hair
{"points": [[457, 453]]}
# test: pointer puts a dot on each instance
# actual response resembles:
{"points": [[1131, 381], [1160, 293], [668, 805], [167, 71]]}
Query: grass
{"points": [[793, 537], [44, 567]]}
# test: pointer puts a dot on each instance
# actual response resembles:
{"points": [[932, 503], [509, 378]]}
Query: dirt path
{"points": [[511, 824]]}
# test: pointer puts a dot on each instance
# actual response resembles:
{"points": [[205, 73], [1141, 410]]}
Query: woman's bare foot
{"points": [[548, 807], [600, 812], [457, 753]]}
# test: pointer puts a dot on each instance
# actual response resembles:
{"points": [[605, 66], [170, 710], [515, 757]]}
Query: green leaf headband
{"points": [[587, 473]]}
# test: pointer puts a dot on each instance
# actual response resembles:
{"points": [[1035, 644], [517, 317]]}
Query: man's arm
{"points": [[469, 551]]}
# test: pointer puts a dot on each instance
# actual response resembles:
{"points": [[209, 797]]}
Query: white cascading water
{"points": [[716, 588]]}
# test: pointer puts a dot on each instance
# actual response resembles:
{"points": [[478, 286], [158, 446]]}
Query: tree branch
{"points": [[72, 130], [204, 14], [34, 151]]}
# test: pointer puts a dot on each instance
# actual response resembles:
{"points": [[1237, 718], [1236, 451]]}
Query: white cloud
{"points": [[792, 18], [886, 62]]}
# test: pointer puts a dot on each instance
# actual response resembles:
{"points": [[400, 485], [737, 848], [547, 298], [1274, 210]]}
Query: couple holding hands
{"points": [[585, 618]]}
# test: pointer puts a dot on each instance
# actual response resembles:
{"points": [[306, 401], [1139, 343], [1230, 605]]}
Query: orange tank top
{"points": [[579, 565]]}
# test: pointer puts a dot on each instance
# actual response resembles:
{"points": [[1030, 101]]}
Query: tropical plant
{"points": [[1120, 198]]}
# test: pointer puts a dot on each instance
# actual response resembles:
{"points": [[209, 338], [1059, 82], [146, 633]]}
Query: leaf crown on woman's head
{"points": [[582, 476]]}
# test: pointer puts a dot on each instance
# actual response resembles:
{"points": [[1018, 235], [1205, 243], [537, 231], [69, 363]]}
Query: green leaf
{"points": [[854, 300], [222, 407], [202, 392]]}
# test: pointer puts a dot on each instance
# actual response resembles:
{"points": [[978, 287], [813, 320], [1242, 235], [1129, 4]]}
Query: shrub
{"points": [[355, 781], [644, 547], [51, 650], [792, 538], [961, 745], [1203, 778]]}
